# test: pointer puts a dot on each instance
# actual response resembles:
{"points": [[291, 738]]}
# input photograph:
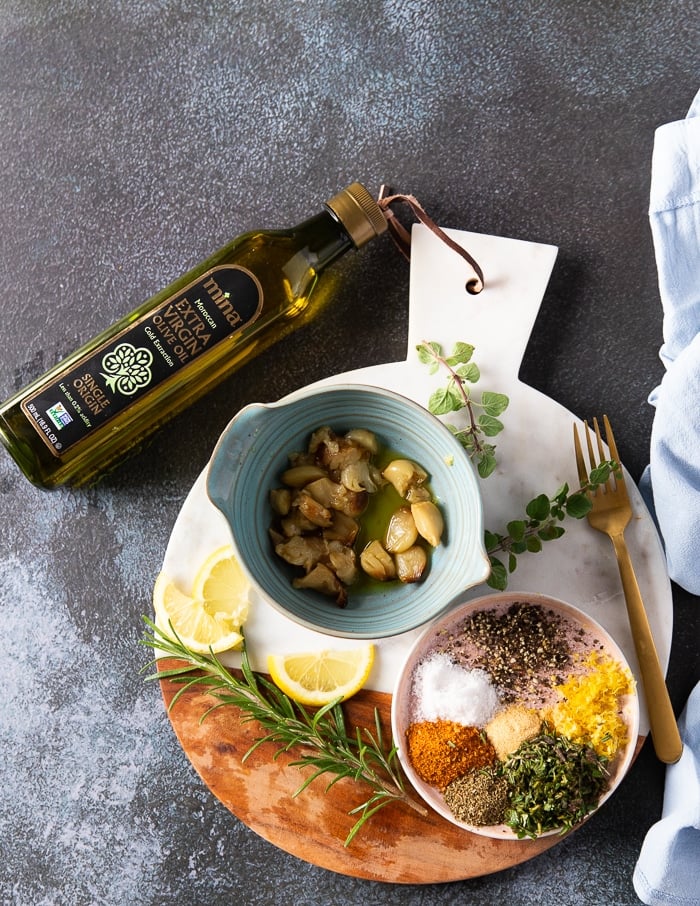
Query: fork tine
{"points": [[617, 476], [589, 444], [610, 438], [601, 451], [580, 462]]}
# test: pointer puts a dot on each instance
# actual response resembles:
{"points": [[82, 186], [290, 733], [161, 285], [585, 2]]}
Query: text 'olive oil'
{"points": [[80, 418]]}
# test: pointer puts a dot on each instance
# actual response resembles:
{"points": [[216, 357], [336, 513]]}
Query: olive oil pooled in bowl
{"points": [[254, 453]]}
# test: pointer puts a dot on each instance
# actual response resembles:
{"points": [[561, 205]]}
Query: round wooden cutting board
{"points": [[397, 845]]}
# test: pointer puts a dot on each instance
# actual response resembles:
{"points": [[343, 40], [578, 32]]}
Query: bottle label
{"points": [[107, 380]]}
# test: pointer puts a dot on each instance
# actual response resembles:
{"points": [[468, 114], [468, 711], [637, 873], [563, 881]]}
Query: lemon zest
{"points": [[590, 710]]}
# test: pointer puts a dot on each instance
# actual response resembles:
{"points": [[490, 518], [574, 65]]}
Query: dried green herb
{"points": [[554, 783]]}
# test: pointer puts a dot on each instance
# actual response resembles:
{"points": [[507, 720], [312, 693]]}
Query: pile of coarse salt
{"points": [[443, 690]]}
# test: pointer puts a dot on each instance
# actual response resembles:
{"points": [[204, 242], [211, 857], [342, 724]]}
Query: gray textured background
{"points": [[135, 138]]}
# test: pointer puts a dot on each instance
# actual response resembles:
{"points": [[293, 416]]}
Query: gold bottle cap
{"points": [[359, 213]]}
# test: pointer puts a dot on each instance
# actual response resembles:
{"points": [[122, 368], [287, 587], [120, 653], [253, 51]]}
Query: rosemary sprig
{"points": [[325, 744]]}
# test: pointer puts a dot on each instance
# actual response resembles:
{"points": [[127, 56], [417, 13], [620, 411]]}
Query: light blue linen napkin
{"points": [[666, 873], [671, 483]]}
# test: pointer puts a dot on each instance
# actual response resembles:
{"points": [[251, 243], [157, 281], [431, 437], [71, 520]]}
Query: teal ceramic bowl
{"points": [[253, 452]]}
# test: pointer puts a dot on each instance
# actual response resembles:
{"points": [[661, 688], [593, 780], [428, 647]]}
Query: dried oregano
{"points": [[554, 783]]}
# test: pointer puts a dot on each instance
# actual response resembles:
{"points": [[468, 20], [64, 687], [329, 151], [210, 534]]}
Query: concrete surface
{"points": [[135, 138]]}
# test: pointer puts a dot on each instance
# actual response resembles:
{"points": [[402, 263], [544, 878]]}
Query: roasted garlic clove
{"points": [[314, 511], [300, 476], [342, 456], [334, 453], [343, 562], [343, 528], [296, 523], [275, 536], [417, 492], [336, 496], [411, 563], [363, 438], [302, 550], [323, 436], [377, 563], [325, 581], [280, 500], [403, 474], [401, 532], [429, 521], [358, 476]]}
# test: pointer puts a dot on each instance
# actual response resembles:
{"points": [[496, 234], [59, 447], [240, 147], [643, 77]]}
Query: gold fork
{"points": [[610, 513]]}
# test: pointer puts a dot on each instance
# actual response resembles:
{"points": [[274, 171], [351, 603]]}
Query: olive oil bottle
{"points": [[79, 419]]}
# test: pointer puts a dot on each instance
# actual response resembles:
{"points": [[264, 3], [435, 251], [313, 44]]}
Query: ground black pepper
{"points": [[518, 645]]}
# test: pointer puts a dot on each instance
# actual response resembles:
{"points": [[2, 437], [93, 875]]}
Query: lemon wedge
{"points": [[212, 616], [319, 677]]}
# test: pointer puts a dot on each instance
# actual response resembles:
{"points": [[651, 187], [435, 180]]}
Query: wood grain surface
{"points": [[397, 845]]}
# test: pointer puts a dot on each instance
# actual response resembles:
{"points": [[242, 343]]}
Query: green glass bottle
{"points": [[72, 424]]}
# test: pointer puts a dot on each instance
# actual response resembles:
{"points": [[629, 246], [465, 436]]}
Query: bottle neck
{"points": [[322, 239]]}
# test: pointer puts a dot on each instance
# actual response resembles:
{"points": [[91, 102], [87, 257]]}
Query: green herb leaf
{"points": [[550, 532], [443, 401], [516, 529], [538, 508], [486, 464], [498, 577], [469, 372], [461, 354], [561, 494], [494, 403], [429, 354], [601, 473], [490, 540], [578, 505], [534, 544], [489, 425]]}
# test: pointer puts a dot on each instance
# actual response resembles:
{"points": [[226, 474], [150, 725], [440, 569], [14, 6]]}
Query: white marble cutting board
{"points": [[535, 455]]}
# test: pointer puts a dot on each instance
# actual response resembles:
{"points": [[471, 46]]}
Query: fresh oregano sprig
{"points": [[543, 516], [457, 394], [321, 736]]}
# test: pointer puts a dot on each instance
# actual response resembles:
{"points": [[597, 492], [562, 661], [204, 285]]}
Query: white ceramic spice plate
{"points": [[404, 710]]}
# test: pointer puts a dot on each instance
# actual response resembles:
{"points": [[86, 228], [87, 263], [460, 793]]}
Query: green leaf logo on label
{"points": [[128, 368]]}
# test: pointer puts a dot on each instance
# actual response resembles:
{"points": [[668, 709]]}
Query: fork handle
{"points": [[664, 729]]}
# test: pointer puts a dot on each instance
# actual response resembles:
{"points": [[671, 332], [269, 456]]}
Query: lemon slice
{"points": [[221, 583], [211, 617], [319, 677]]}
